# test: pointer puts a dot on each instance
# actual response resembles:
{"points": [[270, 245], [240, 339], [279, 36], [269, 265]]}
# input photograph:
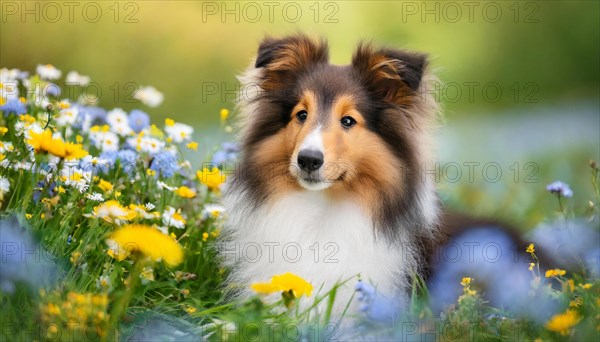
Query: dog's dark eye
{"points": [[301, 115], [348, 121]]}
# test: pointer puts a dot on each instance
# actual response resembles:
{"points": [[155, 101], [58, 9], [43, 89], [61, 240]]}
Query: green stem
{"points": [[562, 210], [122, 302]]}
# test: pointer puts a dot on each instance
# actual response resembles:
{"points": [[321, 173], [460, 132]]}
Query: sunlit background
{"points": [[521, 79]]}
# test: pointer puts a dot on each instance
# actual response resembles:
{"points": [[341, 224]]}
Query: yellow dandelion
{"points": [[284, 283], [169, 122], [53, 309], [224, 113], [192, 145], [530, 249], [561, 323], [3, 130], [61, 190], [150, 172], [28, 216], [576, 302], [75, 257], [74, 151], [204, 237], [44, 142], [586, 286], [185, 192], [147, 241], [190, 309], [212, 178], [465, 281], [111, 211], [105, 186], [28, 119], [555, 273]]}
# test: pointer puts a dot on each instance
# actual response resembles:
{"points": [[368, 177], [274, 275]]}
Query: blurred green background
{"points": [[522, 78]]}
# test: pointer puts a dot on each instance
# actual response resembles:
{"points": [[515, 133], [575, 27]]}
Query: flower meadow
{"points": [[109, 233]]}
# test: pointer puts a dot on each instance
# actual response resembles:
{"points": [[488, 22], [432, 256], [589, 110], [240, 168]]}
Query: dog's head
{"points": [[355, 129]]}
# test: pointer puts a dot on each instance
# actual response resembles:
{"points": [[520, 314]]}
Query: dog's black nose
{"points": [[310, 160]]}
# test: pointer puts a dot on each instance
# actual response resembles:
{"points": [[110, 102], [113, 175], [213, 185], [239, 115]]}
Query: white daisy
{"points": [[173, 218], [22, 127], [96, 197], [75, 78], [149, 96], [103, 283], [67, 116], [6, 146], [48, 72], [122, 129], [147, 275], [88, 162], [141, 211], [149, 206], [212, 210], [116, 117], [110, 142], [76, 178], [4, 185], [162, 185], [24, 165], [7, 75], [150, 145], [179, 132], [106, 141]]}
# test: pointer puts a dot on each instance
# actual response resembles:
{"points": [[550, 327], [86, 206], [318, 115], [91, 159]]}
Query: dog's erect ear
{"points": [[393, 75], [284, 59]]}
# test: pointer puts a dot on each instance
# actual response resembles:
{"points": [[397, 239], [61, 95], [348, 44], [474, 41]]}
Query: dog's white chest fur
{"points": [[325, 241]]}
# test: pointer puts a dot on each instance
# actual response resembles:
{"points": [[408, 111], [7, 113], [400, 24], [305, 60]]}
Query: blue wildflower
{"points": [[375, 305], [91, 115], [488, 254], [110, 157], [52, 89], [13, 106], [37, 192], [560, 188], [128, 159], [138, 120], [227, 153], [569, 248], [164, 163]]}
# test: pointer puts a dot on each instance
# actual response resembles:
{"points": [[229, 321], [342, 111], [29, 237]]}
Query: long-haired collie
{"points": [[331, 182]]}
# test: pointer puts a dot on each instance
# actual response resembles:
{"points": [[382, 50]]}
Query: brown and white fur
{"points": [[368, 210]]}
